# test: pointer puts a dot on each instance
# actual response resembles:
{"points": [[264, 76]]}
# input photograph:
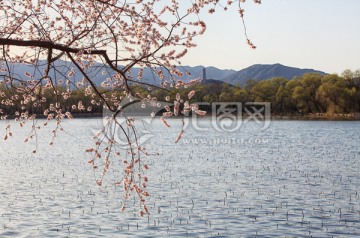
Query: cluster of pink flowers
{"points": [[66, 45]]}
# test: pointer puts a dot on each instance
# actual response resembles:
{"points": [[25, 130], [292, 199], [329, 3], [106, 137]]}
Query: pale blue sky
{"points": [[319, 34]]}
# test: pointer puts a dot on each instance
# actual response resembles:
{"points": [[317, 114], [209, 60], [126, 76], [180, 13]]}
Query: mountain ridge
{"points": [[260, 72], [256, 72]]}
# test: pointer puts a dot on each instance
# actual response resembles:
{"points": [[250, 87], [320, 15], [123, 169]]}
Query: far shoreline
{"points": [[274, 117], [318, 117]]}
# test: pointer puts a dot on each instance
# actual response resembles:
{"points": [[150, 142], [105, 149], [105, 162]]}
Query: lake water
{"points": [[293, 179]]}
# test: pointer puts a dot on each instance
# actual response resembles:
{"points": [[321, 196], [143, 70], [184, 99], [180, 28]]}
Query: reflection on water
{"points": [[296, 178]]}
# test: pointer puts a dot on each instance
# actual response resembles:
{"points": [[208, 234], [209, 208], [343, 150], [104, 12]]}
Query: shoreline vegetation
{"points": [[306, 117], [318, 117], [284, 117], [309, 97]]}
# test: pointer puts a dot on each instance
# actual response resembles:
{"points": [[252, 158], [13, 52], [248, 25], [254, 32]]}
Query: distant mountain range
{"points": [[257, 72], [266, 71], [194, 73]]}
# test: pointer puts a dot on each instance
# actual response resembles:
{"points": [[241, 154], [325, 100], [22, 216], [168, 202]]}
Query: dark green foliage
{"points": [[310, 93]]}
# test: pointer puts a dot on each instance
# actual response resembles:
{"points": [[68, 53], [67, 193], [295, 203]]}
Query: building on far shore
{"points": [[204, 73]]}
